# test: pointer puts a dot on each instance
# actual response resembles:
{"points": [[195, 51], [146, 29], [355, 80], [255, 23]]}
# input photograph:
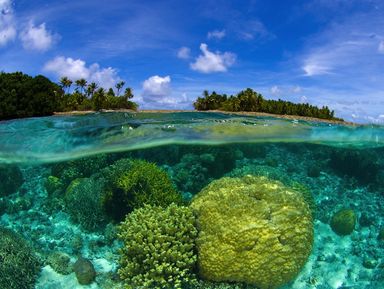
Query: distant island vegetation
{"points": [[249, 100], [22, 95]]}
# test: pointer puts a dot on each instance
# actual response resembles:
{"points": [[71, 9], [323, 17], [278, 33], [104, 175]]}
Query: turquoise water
{"points": [[259, 202]]}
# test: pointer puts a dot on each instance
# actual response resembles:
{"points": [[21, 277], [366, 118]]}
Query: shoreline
{"points": [[245, 113]]}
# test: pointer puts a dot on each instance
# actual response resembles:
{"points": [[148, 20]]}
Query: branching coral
{"points": [[133, 183], [84, 202], [158, 247], [18, 264]]}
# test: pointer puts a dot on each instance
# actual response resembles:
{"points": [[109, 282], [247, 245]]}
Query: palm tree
{"points": [[128, 94], [119, 86], [91, 89], [65, 82], [81, 83]]}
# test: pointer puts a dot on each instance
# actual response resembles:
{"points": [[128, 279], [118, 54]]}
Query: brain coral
{"points": [[252, 230]]}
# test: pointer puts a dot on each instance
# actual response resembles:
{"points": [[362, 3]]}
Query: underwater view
{"points": [[190, 200]]}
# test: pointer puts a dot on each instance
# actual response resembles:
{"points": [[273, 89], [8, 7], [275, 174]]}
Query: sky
{"points": [[324, 52]]}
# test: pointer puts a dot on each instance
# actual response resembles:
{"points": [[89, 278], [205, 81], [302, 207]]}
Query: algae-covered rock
{"points": [[343, 222], [19, 266], [84, 270], [60, 262], [380, 237], [53, 184], [159, 247], [252, 230]]}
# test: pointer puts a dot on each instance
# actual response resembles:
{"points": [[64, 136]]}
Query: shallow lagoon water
{"points": [[44, 159]]}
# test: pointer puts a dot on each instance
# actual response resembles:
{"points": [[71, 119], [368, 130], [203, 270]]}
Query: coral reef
{"points": [[84, 202], [53, 184], [252, 230], [343, 222], [80, 168], [362, 165], [159, 247], [19, 265], [11, 179], [133, 183]]}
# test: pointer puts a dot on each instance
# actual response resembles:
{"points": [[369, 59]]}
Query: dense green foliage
{"points": [[19, 265], [249, 100], [24, 96]]}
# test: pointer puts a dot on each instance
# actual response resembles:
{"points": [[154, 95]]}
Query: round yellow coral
{"points": [[252, 230]]}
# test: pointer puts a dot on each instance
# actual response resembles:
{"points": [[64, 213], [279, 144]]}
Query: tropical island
{"points": [[22, 95]]}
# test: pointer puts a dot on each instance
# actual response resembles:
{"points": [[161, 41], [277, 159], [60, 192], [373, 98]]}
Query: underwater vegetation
{"points": [[252, 230], [19, 264], [159, 247]]}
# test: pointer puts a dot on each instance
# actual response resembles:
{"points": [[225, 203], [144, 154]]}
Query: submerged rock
{"points": [[84, 270]]}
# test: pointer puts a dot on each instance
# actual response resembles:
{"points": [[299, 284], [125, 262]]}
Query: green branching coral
{"points": [[84, 202], [159, 248], [133, 183], [18, 264]]}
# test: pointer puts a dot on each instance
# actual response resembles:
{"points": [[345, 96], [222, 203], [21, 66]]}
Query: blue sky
{"points": [[325, 52]]}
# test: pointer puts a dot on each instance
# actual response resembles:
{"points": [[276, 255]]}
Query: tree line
{"points": [[22, 95], [250, 100]]}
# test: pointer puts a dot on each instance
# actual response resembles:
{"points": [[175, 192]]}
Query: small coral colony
{"points": [[226, 227]]}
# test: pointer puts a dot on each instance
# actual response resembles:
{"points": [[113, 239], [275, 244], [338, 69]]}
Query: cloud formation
{"points": [[184, 53], [156, 87], [210, 62], [381, 47], [7, 23], [37, 37], [217, 34], [76, 68]]}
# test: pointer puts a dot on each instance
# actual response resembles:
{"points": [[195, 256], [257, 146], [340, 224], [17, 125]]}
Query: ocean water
{"points": [[190, 200]]}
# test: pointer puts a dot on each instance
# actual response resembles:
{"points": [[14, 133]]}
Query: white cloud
{"points": [[275, 90], [218, 34], [184, 53], [37, 37], [296, 89], [303, 99], [156, 87], [7, 24], [254, 29], [76, 68], [381, 46], [213, 62], [313, 67]]}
